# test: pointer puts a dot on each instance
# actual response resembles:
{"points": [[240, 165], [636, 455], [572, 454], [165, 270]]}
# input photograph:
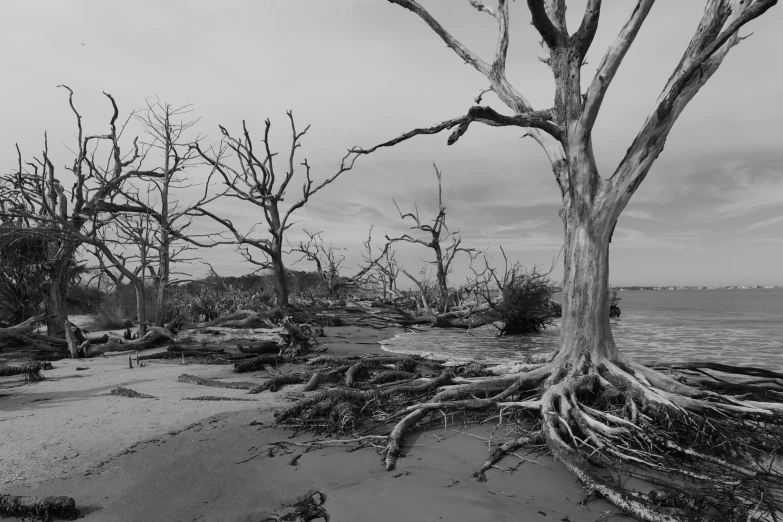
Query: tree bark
{"points": [[56, 292], [443, 285], [585, 325], [141, 307], [281, 283]]}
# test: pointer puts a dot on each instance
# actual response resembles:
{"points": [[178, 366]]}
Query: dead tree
{"points": [[704, 448], [327, 259], [328, 262], [255, 180], [444, 243], [166, 129], [35, 194]]}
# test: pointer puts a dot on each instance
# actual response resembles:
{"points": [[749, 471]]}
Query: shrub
{"points": [[23, 273], [525, 306]]}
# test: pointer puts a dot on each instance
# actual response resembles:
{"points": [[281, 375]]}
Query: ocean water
{"points": [[742, 326]]}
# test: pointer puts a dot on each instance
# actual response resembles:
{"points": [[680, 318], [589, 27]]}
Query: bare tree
{"points": [[704, 447], [166, 131], [444, 243], [327, 258], [35, 193], [255, 180]]}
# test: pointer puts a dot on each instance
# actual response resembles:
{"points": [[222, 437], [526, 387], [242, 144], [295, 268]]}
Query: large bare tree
{"points": [[251, 176], [705, 448]]}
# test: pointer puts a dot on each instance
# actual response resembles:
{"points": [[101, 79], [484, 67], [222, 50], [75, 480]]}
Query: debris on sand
{"points": [[127, 392]]}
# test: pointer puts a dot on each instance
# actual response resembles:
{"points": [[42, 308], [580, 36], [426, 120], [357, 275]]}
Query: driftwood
{"points": [[220, 335], [215, 398], [277, 382], [256, 363], [31, 372], [24, 333], [127, 392], [38, 508], [262, 348], [192, 379], [238, 319]]}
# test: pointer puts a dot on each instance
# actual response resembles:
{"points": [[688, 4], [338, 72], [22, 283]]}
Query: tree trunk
{"points": [[56, 293], [281, 284], [163, 276], [141, 307], [585, 325], [443, 286]]}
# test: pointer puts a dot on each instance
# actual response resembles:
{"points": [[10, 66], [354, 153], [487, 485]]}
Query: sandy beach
{"points": [[169, 458]]}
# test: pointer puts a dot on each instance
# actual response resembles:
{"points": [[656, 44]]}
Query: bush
{"points": [[525, 306], [84, 299], [203, 302], [23, 273]]}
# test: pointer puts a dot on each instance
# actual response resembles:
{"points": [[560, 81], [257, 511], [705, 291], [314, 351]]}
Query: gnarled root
{"points": [[501, 451], [695, 445], [31, 372], [38, 508]]}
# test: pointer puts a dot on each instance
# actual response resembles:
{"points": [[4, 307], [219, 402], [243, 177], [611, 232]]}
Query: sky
{"points": [[363, 71]]}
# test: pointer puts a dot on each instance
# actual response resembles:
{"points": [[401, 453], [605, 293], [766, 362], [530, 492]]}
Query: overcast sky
{"points": [[363, 71]]}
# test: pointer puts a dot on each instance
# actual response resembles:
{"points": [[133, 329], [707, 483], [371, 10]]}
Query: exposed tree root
{"points": [[275, 383], [127, 392], [38, 508], [31, 372], [192, 379], [267, 347], [256, 363], [501, 451], [690, 452], [214, 398]]}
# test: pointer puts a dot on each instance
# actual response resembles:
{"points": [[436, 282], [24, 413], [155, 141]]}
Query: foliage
{"points": [[82, 299], [23, 272], [203, 301], [525, 303]]}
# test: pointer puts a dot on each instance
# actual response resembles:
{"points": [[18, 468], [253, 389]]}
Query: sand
{"points": [[172, 459]]}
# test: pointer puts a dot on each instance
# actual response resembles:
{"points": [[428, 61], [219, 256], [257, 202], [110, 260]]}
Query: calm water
{"points": [[731, 326]]}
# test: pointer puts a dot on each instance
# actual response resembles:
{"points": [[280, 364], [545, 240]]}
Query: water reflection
{"points": [[737, 332]]}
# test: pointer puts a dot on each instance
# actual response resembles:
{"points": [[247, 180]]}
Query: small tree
{"points": [[444, 243], [255, 180]]}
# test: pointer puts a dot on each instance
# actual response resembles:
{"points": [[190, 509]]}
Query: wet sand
{"points": [[211, 461]]}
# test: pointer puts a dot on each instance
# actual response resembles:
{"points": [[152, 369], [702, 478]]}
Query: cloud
{"points": [[640, 214], [766, 223]]}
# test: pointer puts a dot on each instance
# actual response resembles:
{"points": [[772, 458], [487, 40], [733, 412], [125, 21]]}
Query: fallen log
{"points": [[275, 383], [192, 379], [238, 319], [262, 348], [38, 508], [127, 392], [222, 335], [256, 363], [23, 333], [215, 398], [31, 372]]}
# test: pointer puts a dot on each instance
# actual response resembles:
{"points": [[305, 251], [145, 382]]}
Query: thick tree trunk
{"points": [[281, 284], [56, 292], [585, 325]]}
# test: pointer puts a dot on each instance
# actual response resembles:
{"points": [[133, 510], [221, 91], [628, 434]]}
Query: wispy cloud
{"points": [[640, 214], [766, 223]]}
